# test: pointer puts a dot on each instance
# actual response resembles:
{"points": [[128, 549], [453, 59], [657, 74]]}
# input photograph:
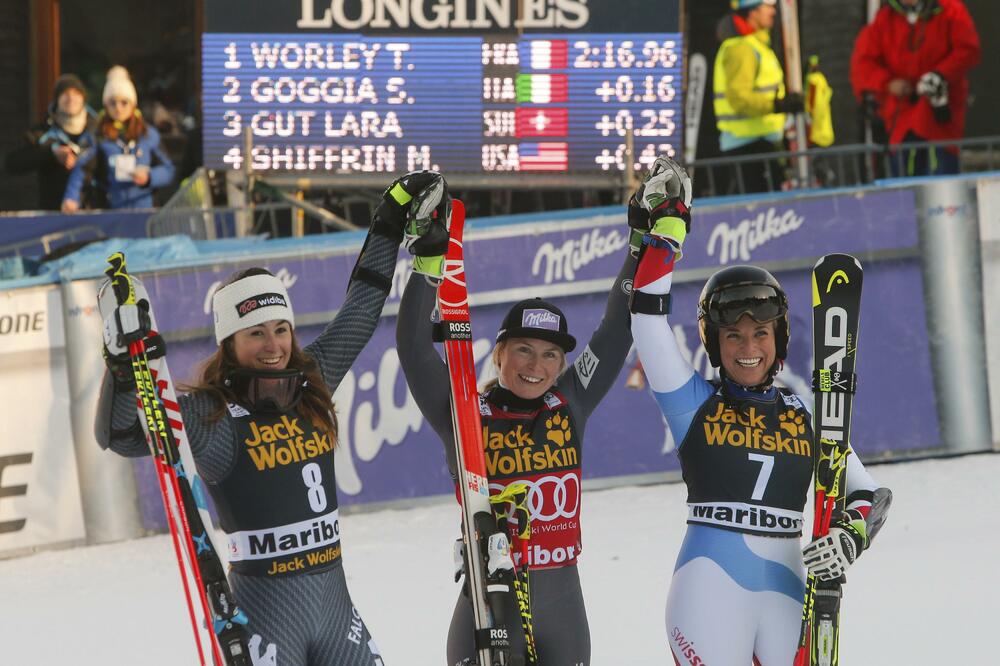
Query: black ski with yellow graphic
{"points": [[836, 289]]}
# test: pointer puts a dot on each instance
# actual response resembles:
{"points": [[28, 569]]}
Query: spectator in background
{"points": [[128, 160], [750, 97], [53, 147], [912, 61]]}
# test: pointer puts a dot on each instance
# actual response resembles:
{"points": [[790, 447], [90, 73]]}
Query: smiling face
{"points": [[267, 346], [747, 350], [529, 367]]}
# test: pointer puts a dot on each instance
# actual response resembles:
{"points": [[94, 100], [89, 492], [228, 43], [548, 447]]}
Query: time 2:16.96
{"points": [[625, 54]]}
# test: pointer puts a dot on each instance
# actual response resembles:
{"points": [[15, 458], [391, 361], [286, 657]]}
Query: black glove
{"points": [[390, 216], [791, 103], [664, 192], [426, 230]]}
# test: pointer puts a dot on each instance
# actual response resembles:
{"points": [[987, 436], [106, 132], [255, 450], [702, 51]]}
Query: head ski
{"points": [[836, 289]]}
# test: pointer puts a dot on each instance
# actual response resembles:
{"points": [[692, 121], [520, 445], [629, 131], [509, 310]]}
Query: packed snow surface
{"points": [[924, 594]]}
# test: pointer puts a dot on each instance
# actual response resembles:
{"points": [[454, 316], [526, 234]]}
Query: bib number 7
{"points": [[766, 465]]}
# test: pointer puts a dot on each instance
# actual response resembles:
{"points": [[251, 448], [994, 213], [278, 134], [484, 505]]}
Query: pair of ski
{"points": [[486, 545], [836, 297], [218, 624]]}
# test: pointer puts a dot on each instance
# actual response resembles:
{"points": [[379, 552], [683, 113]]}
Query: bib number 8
{"points": [[313, 477]]}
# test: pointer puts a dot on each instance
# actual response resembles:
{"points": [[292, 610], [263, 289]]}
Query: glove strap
{"points": [[671, 225], [652, 304], [429, 266], [399, 194]]}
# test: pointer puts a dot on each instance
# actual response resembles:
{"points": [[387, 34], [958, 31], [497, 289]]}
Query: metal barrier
{"points": [[53, 241], [838, 166], [190, 212]]}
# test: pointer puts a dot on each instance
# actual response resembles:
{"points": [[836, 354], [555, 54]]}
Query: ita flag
{"points": [[546, 156], [542, 121], [541, 88], [549, 54]]}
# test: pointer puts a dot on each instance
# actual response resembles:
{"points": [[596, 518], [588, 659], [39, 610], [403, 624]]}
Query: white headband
{"points": [[249, 302]]}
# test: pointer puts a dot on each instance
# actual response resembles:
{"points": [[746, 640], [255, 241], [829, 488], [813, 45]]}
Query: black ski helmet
{"points": [[735, 291]]}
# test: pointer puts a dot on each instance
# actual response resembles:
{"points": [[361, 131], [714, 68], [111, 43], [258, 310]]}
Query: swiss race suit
{"points": [[738, 583]]}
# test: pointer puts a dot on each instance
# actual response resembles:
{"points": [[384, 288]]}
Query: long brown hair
{"points": [[134, 127], [317, 401]]}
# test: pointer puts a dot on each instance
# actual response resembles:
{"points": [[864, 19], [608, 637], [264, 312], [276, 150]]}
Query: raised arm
{"points": [[339, 344], [666, 198], [595, 369], [425, 371]]}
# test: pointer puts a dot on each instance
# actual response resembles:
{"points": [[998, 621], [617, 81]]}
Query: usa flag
{"points": [[546, 156], [549, 54]]}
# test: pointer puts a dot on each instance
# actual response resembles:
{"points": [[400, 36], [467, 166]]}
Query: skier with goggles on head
{"points": [[745, 448]]}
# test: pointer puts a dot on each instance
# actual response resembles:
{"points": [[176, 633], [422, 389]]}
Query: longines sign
{"points": [[453, 16]]}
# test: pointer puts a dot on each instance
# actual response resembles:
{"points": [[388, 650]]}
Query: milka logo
{"points": [[561, 263], [540, 319], [749, 234], [287, 279]]}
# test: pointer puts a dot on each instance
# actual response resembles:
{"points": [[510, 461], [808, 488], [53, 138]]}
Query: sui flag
{"points": [[541, 88], [544, 121], [548, 156], [549, 54]]}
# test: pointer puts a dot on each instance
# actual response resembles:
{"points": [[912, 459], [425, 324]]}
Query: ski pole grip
{"points": [[120, 280]]}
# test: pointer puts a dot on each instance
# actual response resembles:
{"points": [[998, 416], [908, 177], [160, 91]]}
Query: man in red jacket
{"points": [[912, 61]]}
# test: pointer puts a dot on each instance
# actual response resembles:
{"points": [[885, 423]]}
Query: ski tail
{"points": [[836, 289], [182, 492]]}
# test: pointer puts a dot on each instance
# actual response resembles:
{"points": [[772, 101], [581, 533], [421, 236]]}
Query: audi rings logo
{"points": [[551, 497]]}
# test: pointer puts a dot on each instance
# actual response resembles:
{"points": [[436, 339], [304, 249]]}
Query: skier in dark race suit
{"points": [[262, 431], [533, 418], [745, 452]]}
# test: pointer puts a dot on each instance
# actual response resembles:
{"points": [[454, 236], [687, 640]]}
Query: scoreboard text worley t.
{"points": [[464, 86]]}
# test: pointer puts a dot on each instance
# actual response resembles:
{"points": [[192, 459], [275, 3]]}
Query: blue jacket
{"points": [[124, 194]]}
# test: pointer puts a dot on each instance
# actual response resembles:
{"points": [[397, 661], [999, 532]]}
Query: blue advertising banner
{"points": [[387, 451]]}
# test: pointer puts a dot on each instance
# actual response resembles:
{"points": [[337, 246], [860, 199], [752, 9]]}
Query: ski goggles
{"points": [[762, 302], [268, 390]]}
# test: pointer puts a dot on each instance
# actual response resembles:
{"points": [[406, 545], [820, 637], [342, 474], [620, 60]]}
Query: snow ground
{"points": [[924, 594]]}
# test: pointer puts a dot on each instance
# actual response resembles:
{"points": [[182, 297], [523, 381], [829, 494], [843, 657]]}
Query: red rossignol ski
{"points": [[181, 489], [479, 527]]}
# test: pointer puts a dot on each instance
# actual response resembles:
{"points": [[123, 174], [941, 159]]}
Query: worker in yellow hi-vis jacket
{"points": [[750, 98]]}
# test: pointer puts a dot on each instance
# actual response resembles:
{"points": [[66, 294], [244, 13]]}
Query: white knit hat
{"points": [[120, 85], [248, 302]]}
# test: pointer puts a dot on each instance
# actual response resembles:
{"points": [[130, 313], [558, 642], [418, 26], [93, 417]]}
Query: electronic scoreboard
{"points": [[461, 86]]}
